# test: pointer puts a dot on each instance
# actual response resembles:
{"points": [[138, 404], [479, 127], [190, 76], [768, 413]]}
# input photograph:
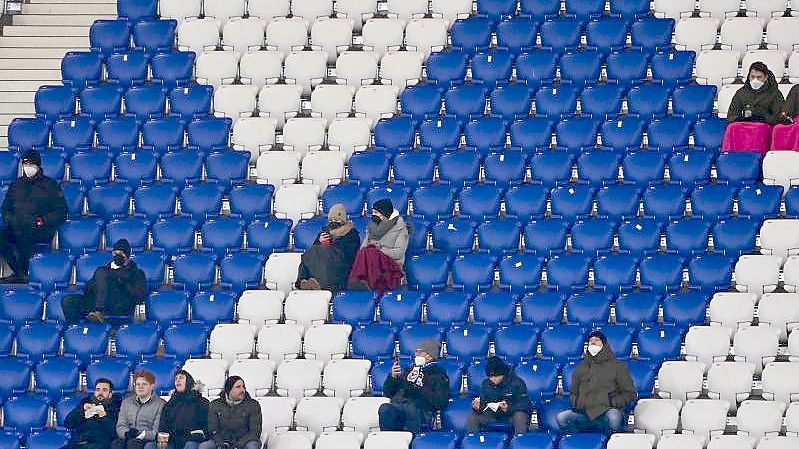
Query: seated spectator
{"points": [[503, 399], [759, 100], [379, 263], [185, 415], [786, 134], [601, 388], [92, 424], [327, 263], [115, 289], [234, 419], [140, 415], [416, 393]]}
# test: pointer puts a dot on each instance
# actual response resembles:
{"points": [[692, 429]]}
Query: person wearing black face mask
{"points": [[327, 263], [115, 289]]}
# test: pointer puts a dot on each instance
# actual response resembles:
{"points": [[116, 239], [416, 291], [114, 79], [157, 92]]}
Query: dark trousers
{"points": [[477, 421], [76, 307], [132, 443], [399, 416], [16, 246]]}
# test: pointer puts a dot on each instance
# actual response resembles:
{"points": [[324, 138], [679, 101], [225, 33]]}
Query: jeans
{"points": [[571, 421], [476, 421], [399, 416], [209, 444]]}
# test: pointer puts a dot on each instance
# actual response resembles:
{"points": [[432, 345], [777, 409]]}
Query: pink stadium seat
{"points": [[743, 136]]}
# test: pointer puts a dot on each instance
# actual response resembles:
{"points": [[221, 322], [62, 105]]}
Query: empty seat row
{"points": [[721, 67]]}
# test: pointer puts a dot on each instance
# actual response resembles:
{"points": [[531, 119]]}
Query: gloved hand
{"points": [[132, 433]]}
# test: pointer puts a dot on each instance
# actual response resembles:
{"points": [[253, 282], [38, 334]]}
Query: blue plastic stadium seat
{"points": [[47, 439], [367, 168], [562, 34], [53, 164], [673, 67], [164, 135], [174, 69], [644, 167], [473, 272], [427, 272], [589, 308], [209, 134], [533, 440], [517, 34], [652, 34], [640, 236], [135, 341], [713, 201], [602, 101], [6, 338], [495, 307], [685, 309], [511, 102], [269, 235], [742, 167], [349, 195], [661, 272], [499, 236], [505, 167], [659, 343], [222, 235], [492, 67], [585, 9], [306, 231], [201, 201], [694, 101], [354, 307], [486, 134], [583, 441], [448, 308], [629, 8], [25, 413], [709, 133], [194, 271], [15, 376], [412, 335], [546, 236], [541, 378], [792, 203], [181, 167], [9, 167], [398, 133], [532, 133], [136, 168], [490, 440], [227, 167], [212, 307], [135, 10], [537, 67], [80, 69], [576, 134], [373, 341], [190, 102], [520, 272], [413, 168], [242, 270], [556, 102], [184, 341], [152, 264], [145, 102], [54, 102], [109, 201], [582, 67], [620, 338], [100, 102], [670, 133], [759, 201], [73, 135], [711, 272], [447, 68], [627, 68], [637, 308], [167, 307], [571, 201], [479, 201], [468, 342], [57, 376], [607, 34], [118, 134], [86, 341], [691, 167], [54, 313], [598, 167], [615, 272], [624, 133], [664, 201], [455, 415], [174, 235], [433, 202], [28, 133], [496, 9], [21, 306], [88, 263], [539, 9], [109, 36], [561, 343], [76, 236], [155, 201], [472, 34], [643, 374], [127, 69], [458, 167], [50, 271], [65, 405], [435, 440], [568, 272], [516, 342], [551, 167], [465, 102], [38, 341], [453, 236], [648, 101], [163, 370], [397, 308], [593, 236], [154, 36]]}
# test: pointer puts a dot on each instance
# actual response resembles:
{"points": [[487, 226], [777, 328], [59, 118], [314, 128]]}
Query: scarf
{"points": [[231, 402], [378, 231], [340, 231]]}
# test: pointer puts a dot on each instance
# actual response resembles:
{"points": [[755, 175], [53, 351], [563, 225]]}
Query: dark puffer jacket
{"points": [[766, 103], [236, 424], [433, 394], [30, 198], [94, 432], [512, 389], [792, 102], [183, 413], [118, 291], [600, 383]]}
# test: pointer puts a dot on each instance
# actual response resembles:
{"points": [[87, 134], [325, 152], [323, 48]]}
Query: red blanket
{"points": [[376, 269]]}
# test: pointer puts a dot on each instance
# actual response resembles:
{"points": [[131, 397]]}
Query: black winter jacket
{"points": [[512, 389], [117, 290], [429, 392], [600, 383], [235, 424], [30, 198], [767, 103], [95, 430], [183, 413]]}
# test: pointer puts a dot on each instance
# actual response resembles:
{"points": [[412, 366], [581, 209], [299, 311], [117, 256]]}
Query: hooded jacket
{"points": [[512, 389], [141, 416], [600, 383], [331, 266], [766, 103], [30, 198], [429, 391], [183, 413], [236, 424], [96, 431], [792, 102], [394, 242], [118, 291]]}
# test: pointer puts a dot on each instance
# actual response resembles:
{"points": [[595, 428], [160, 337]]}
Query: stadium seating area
{"points": [[560, 165]]}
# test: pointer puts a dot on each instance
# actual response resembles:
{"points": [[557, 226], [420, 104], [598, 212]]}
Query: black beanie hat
{"points": [[122, 245], [600, 335], [496, 367], [32, 157], [384, 206]]}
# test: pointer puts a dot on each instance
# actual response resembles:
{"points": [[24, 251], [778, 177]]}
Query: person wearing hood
{"points": [[416, 393], [601, 389], [234, 418], [327, 263], [185, 415], [786, 134], [115, 289], [759, 100], [92, 424], [503, 399], [33, 210], [139, 415], [379, 263]]}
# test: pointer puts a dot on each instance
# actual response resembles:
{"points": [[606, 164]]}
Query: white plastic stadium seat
{"points": [[757, 274], [791, 274], [330, 101], [407, 9], [631, 441], [759, 418], [318, 414], [779, 237], [780, 310], [680, 441], [695, 33], [719, 9], [311, 9], [323, 168], [680, 380], [426, 35], [360, 413], [376, 102], [732, 310], [356, 68], [307, 307], [774, 59], [333, 35], [223, 10], [717, 67], [326, 341], [198, 35], [388, 440], [674, 9], [755, 344], [281, 270], [260, 307], [401, 68], [783, 32], [781, 168], [258, 375], [704, 417], [235, 101], [451, 10], [277, 414], [657, 417], [305, 68], [741, 33], [215, 68], [792, 419], [357, 10], [232, 341], [766, 9], [280, 101], [349, 135], [707, 344], [339, 440], [780, 382], [254, 134], [344, 378], [793, 347], [269, 9], [211, 372], [304, 134], [260, 68], [286, 34], [278, 167], [298, 377], [725, 96], [382, 35], [290, 439], [731, 442], [778, 442], [730, 381], [179, 10], [243, 35], [277, 342]]}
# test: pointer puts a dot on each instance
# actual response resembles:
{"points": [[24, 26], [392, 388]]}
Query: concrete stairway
{"points": [[31, 49]]}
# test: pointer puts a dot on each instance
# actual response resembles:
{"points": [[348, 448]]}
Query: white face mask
{"points": [[29, 170], [419, 360], [594, 349], [756, 84]]}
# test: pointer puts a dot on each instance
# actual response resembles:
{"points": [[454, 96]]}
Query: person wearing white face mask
{"points": [[601, 388], [33, 209], [759, 100], [416, 393]]}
